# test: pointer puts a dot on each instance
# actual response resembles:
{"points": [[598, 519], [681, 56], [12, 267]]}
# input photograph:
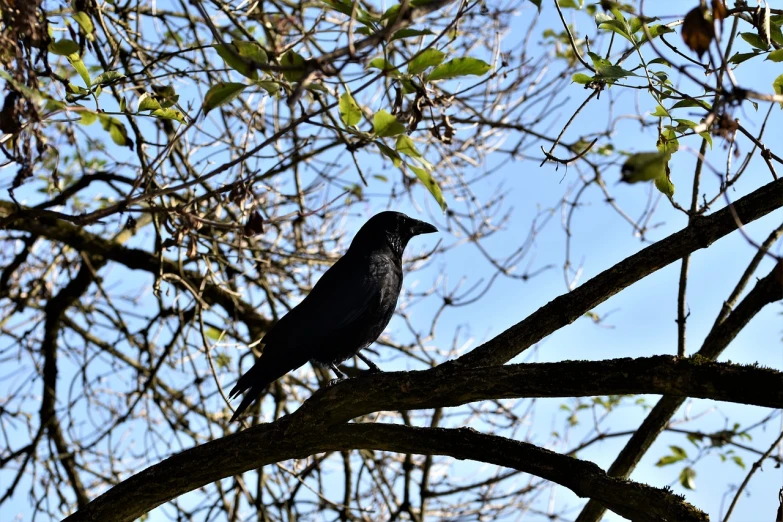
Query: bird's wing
{"points": [[346, 292]]}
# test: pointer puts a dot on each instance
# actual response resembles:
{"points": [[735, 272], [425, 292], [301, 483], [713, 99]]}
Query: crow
{"points": [[346, 310]]}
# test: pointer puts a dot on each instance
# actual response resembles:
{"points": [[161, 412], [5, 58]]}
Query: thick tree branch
{"points": [[565, 309], [313, 427], [449, 385], [268, 443], [766, 291]]}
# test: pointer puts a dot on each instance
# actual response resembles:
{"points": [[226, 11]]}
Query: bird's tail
{"points": [[255, 381]]}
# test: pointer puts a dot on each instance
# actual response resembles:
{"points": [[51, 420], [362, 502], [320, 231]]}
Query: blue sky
{"points": [[640, 320]]}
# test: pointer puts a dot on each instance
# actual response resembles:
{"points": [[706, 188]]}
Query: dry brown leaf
{"points": [[697, 31]]}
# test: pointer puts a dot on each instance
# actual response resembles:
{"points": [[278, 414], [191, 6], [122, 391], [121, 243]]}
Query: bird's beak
{"points": [[420, 227]]}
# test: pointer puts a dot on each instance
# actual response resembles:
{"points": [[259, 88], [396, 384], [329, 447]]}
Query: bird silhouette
{"points": [[346, 310]]}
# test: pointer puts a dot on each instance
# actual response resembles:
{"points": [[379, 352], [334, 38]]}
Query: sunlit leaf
{"points": [[687, 476], [107, 77], [350, 112], [87, 117], [383, 65], [80, 68], [389, 153], [664, 185], [117, 130], [84, 21], [64, 47], [169, 114], [406, 146], [423, 60], [384, 124], [777, 85], [426, 178], [581, 78], [644, 166], [409, 33], [755, 40], [147, 102], [459, 67]]}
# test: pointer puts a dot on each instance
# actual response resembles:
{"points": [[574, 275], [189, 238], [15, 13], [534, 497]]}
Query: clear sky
{"points": [[640, 321]]}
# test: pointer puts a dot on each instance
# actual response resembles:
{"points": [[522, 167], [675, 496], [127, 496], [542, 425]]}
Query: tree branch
{"points": [[766, 291], [268, 443], [565, 309], [312, 428], [76, 237]]}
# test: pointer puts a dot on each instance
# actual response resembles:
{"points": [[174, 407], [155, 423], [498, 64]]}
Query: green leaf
{"points": [[147, 102], [667, 142], [166, 96], [78, 64], [676, 450], [383, 65], [617, 27], [350, 112], [252, 51], [295, 60], [423, 60], [221, 94], [429, 182], [754, 40], [738, 58], [347, 8], [269, 86], [64, 47], [706, 135], [242, 56], [107, 77], [459, 67], [775, 56], [581, 78], [117, 130], [169, 114], [87, 117], [738, 461], [777, 85], [613, 72], [644, 166], [406, 146], [687, 476], [660, 61], [655, 31], [84, 21], [123, 104], [536, 3], [598, 61], [692, 103], [384, 124], [665, 185], [409, 33], [389, 153], [660, 112]]}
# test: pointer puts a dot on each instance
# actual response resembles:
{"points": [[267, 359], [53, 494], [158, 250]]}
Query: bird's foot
{"points": [[335, 381]]}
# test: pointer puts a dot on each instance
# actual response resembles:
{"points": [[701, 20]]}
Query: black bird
{"points": [[345, 311]]}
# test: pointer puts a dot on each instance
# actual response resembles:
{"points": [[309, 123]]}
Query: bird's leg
{"points": [[338, 372], [373, 367]]}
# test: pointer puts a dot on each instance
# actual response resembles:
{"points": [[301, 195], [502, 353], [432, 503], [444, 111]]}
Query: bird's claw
{"points": [[335, 381]]}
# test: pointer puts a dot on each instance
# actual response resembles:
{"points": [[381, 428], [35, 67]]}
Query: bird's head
{"points": [[392, 229]]}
